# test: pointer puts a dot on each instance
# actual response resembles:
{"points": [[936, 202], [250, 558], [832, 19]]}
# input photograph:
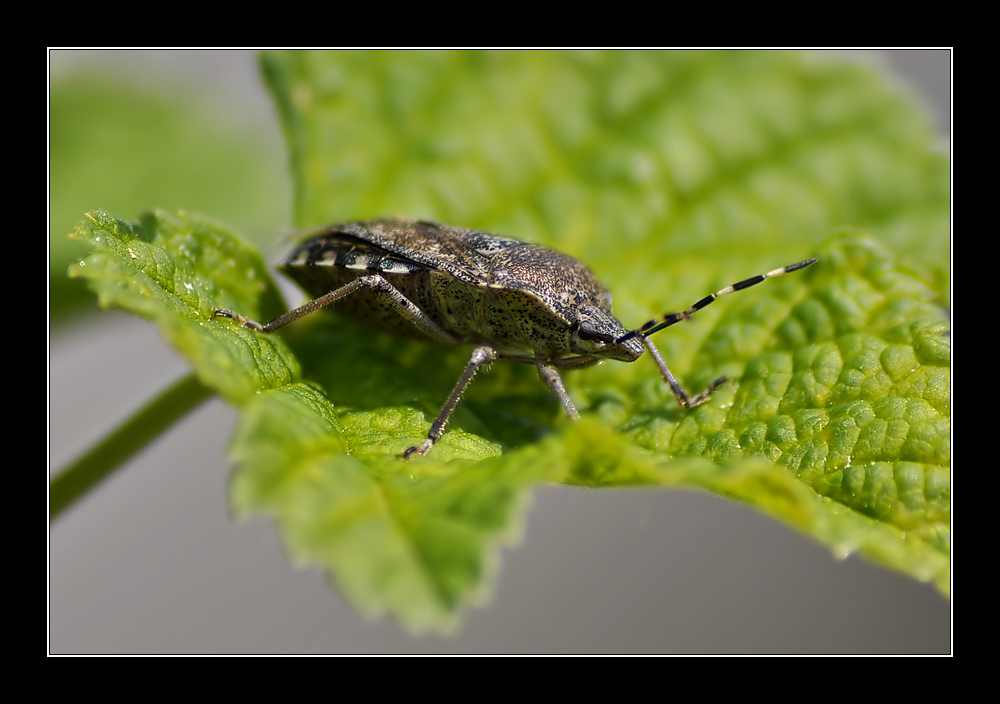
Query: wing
{"points": [[462, 253]]}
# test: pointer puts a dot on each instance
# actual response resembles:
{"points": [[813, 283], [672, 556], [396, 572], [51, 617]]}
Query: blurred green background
{"points": [[182, 138]]}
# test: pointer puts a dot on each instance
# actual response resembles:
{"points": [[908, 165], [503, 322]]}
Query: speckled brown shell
{"points": [[518, 297]]}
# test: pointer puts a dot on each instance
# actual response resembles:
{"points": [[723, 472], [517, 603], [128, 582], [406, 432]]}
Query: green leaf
{"points": [[839, 423], [400, 537], [645, 165], [189, 267], [672, 174], [126, 147]]}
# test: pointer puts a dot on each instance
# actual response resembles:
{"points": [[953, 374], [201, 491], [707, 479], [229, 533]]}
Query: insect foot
{"points": [[507, 299], [248, 324]]}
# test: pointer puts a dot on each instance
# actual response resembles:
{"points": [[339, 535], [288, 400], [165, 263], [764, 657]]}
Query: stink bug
{"points": [[509, 299]]}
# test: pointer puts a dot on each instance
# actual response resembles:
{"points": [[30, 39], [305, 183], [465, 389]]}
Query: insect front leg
{"points": [[400, 303], [684, 399], [480, 356]]}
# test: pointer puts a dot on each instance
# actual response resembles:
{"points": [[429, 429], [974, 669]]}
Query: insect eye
{"points": [[593, 335]]}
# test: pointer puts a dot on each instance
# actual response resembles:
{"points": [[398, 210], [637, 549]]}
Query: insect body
{"points": [[508, 299]]}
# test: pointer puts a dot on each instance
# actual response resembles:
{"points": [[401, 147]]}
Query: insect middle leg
{"points": [[400, 303], [550, 375], [480, 356]]}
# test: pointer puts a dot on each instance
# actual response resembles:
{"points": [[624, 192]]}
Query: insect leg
{"points": [[400, 303], [684, 399], [480, 356], [552, 379]]}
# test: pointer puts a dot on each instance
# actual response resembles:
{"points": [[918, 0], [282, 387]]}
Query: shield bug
{"points": [[508, 299]]}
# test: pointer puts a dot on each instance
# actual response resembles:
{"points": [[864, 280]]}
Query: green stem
{"points": [[138, 431]]}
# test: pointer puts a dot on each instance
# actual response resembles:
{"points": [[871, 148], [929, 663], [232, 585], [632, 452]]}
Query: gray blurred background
{"points": [[151, 562]]}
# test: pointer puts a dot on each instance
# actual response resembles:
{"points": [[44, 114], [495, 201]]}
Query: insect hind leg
{"points": [[400, 304]]}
